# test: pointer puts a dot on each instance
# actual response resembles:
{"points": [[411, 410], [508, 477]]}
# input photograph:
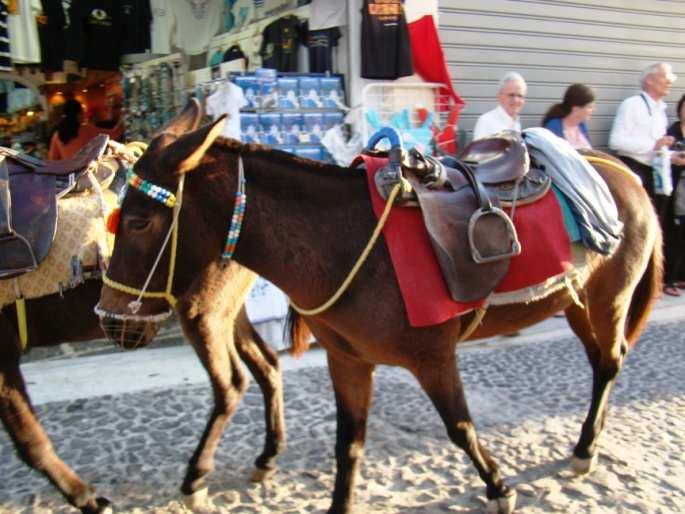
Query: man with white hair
{"points": [[639, 128], [511, 96]]}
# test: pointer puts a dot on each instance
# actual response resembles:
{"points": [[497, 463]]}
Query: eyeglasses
{"points": [[516, 95]]}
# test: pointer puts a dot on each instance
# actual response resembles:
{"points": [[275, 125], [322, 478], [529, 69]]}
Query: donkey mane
{"points": [[284, 159]]}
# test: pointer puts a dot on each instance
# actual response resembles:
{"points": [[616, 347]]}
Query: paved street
{"points": [[141, 414]]}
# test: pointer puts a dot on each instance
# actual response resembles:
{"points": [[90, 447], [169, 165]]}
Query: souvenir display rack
{"points": [[152, 94]]}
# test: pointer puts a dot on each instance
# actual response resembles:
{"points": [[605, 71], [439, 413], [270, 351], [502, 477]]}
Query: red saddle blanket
{"points": [[546, 252]]}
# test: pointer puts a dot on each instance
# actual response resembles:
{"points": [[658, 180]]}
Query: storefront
{"points": [[554, 44]]}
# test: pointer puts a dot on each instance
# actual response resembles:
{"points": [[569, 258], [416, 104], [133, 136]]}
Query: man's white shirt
{"points": [[495, 121], [640, 121]]}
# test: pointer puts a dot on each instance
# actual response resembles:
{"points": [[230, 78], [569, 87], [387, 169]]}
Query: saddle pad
{"points": [[540, 226], [80, 232]]}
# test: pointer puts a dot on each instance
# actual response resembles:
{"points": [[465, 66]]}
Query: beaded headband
{"points": [[155, 192]]}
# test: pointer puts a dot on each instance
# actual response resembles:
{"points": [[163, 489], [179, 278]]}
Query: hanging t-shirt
{"points": [[233, 53], [386, 52], [227, 99], [137, 16], [51, 25], [325, 14], [160, 32], [320, 44], [5, 56], [196, 22], [95, 34], [243, 13], [23, 32], [279, 44]]}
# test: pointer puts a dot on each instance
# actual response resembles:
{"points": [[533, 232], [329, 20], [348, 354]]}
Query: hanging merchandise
{"points": [[95, 34], [233, 53], [243, 13], [137, 17], [320, 44], [279, 44], [51, 25], [5, 57], [428, 57], [23, 32], [227, 99], [196, 22], [386, 52], [160, 33], [325, 14]]}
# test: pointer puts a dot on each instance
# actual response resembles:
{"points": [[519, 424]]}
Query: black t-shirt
{"points": [[279, 44], [136, 17], [51, 27], [233, 53], [95, 33], [320, 44], [386, 51]]}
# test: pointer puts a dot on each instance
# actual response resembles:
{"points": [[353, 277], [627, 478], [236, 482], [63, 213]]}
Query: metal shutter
{"points": [[604, 44]]}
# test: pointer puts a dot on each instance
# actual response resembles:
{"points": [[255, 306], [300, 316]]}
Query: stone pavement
{"points": [[139, 415]]}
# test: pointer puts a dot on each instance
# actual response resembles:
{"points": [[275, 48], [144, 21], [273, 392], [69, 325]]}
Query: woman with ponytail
{"points": [[71, 133], [568, 119]]}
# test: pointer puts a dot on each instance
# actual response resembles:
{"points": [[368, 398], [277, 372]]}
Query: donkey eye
{"points": [[138, 223]]}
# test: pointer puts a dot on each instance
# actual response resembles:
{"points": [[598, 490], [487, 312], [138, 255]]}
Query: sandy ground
{"points": [[528, 401]]}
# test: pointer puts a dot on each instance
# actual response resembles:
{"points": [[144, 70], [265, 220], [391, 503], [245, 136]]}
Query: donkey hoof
{"points": [[504, 505], [100, 506], [262, 474], [197, 501], [105, 506], [584, 466]]}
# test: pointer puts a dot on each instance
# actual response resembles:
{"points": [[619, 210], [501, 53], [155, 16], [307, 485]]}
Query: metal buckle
{"points": [[511, 232]]}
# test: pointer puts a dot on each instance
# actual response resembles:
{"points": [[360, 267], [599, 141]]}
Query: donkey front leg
{"points": [[265, 367], [30, 440], [212, 339], [440, 379], [352, 382]]}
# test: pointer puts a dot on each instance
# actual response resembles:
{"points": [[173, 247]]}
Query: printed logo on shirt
{"points": [[386, 10], [128, 9], [66, 6], [100, 17]]}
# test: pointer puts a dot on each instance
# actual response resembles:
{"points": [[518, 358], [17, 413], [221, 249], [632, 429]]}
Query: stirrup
{"points": [[511, 232]]}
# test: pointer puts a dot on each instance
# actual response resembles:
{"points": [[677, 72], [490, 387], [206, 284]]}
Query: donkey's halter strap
{"points": [[160, 194], [169, 199]]}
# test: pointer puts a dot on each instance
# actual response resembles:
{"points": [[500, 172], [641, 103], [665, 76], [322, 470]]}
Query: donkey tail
{"points": [[298, 333], [646, 293]]}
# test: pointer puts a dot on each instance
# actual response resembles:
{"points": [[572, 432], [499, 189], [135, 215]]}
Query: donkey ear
{"points": [[187, 120], [187, 151]]}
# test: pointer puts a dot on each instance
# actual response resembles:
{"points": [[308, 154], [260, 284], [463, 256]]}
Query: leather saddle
{"points": [[29, 190], [461, 202]]}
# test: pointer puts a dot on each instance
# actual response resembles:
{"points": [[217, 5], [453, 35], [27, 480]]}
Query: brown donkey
{"points": [[217, 326], [305, 225]]}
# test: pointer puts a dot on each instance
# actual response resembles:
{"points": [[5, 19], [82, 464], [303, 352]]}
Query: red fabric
{"points": [[540, 226], [428, 57], [546, 247]]}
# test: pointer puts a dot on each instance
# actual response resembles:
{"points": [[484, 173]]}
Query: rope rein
{"points": [[360, 261]]}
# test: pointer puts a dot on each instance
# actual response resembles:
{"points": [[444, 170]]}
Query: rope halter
{"points": [[174, 201]]}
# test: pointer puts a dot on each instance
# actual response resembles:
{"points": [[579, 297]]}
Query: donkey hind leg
{"points": [[353, 384], [606, 347], [440, 379], [31, 441], [264, 365], [212, 339]]}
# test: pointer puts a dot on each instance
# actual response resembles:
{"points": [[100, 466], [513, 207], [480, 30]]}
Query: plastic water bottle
{"points": [[661, 172]]}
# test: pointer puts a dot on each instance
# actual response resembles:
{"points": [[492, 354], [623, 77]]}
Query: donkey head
{"points": [[140, 285]]}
